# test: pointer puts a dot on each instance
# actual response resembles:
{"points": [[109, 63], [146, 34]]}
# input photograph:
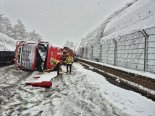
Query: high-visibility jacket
{"points": [[69, 60], [54, 61]]}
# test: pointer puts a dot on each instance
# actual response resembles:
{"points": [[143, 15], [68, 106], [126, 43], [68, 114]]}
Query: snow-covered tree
{"points": [[19, 31], [70, 45], [5, 25], [34, 36]]}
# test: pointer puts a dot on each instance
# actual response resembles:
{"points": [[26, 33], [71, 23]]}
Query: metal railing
{"points": [[6, 58], [135, 50]]}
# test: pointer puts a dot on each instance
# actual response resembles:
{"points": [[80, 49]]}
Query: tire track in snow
{"points": [[10, 78], [83, 98], [71, 95]]}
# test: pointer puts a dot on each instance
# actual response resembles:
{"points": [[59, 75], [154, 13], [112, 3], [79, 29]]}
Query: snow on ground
{"points": [[82, 92], [7, 43], [127, 101], [9, 79]]}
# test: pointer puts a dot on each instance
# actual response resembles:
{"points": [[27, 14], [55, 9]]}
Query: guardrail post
{"points": [[145, 49], [115, 51], [86, 52], [100, 52], [91, 52], [82, 52]]}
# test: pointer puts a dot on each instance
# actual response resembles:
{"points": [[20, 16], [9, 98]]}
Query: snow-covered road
{"points": [[10, 77], [82, 93]]}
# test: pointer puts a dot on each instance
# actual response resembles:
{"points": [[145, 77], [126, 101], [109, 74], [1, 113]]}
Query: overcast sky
{"points": [[60, 20]]}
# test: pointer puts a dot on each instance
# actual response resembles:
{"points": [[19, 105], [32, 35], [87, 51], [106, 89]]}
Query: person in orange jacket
{"points": [[57, 65]]}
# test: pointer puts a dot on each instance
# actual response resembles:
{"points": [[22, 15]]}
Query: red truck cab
{"points": [[25, 54], [36, 55]]}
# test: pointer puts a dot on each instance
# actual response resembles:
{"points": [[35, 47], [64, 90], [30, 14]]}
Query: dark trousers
{"points": [[57, 68], [39, 65], [69, 66]]}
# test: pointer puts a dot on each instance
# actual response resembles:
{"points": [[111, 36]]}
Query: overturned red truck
{"points": [[36, 55]]}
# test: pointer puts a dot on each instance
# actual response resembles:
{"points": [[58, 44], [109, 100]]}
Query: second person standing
{"points": [[69, 62]]}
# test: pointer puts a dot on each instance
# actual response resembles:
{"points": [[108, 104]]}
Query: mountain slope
{"points": [[138, 16]]}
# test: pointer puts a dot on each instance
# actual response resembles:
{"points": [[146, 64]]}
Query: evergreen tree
{"points": [[34, 36], [5, 25], [70, 45], [19, 31]]}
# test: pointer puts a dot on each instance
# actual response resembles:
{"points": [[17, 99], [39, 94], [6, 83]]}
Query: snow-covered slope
{"points": [[99, 32], [138, 16], [135, 15], [6, 43]]}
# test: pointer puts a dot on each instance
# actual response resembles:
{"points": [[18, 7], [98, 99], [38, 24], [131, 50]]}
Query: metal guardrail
{"points": [[6, 57], [132, 80]]}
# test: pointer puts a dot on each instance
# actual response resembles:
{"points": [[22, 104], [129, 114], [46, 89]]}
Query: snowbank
{"points": [[7, 43], [129, 102]]}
